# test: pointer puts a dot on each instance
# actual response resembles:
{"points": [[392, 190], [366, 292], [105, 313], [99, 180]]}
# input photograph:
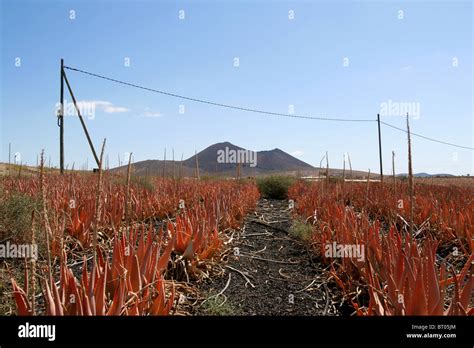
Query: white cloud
{"points": [[407, 67], [297, 153], [108, 107]]}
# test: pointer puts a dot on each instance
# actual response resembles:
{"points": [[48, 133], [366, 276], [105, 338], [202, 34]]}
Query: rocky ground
{"points": [[269, 272]]}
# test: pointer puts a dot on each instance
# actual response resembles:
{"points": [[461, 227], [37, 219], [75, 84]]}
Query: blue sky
{"points": [[423, 59]]}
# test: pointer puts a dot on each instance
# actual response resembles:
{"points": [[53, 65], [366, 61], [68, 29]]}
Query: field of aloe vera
{"points": [[420, 264], [114, 245]]}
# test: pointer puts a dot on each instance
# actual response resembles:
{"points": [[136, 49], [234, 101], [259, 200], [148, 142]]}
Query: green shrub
{"points": [[216, 307], [142, 182], [301, 230], [15, 216], [275, 186]]}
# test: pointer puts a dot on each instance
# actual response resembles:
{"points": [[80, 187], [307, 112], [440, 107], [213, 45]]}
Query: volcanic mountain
{"points": [[221, 160]]}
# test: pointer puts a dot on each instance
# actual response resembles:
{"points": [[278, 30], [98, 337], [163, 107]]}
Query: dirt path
{"points": [[268, 272]]}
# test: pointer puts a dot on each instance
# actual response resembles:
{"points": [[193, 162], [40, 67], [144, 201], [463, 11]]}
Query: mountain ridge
{"points": [[275, 161], [222, 159]]}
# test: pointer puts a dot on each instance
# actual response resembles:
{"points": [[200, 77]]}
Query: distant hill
{"points": [[221, 159], [218, 160], [273, 160], [269, 162]]}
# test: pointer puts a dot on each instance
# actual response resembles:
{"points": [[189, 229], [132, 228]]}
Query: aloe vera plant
{"points": [[129, 280], [400, 272]]}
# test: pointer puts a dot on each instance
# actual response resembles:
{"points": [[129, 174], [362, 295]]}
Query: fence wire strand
{"points": [[228, 106]]}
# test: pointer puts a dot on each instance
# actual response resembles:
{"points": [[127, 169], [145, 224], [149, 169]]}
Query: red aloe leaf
{"points": [[21, 300], [159, 302], [189, 253], [164, 258], [117, 302], [198, 239], [85, 302], [135, 277], [74, 299], [100, 293], [50, 306], [57, 300]]}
